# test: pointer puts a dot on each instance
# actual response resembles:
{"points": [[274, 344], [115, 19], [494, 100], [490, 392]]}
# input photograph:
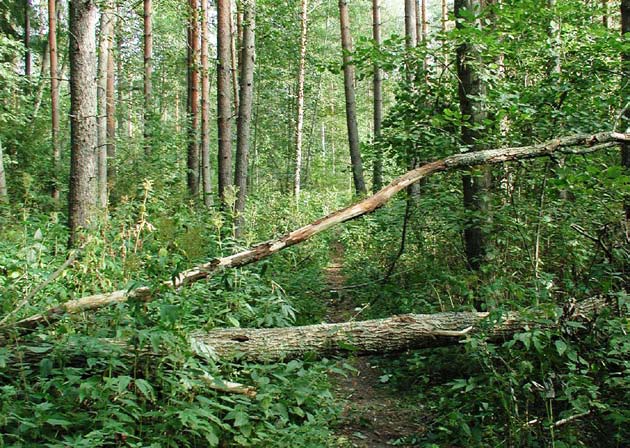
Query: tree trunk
{"points": [[625, 93], [411, 38], [234, 55], [471, 89], [444, 16], [110, 108], [148, 72], [3, 180], [248, 57], [27, 38], [83, 185], [605, 13], [193, 100], [379, 336], [351, 106], [224, 108], [377, 84], [101, 93], [565, 145], [299, 127], [205, 107], [424, 25], [54, 97]]}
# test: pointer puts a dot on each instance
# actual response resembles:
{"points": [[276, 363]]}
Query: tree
{"points": [[377, 87], [625, 61], [3, 179], [471, 90], [351, 107], [54, 96], [246, 91], [148, 73], [224, 108], [27, 38], [82, 195], [193, 99], [299, 127], [205, 107], [110, 109], [105, 39]]}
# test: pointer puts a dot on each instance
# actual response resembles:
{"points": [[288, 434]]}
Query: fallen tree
{"points": [[379, 336], [576, 144]]}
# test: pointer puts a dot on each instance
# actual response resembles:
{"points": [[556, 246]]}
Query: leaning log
{"points": [[576, 144], [379, 336]]}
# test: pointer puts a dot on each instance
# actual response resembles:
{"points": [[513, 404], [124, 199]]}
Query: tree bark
{"points": [[54, 97], [351, 106], [379, 336], [193, 100], [83, 183], [625, 93], [101, 93], [377, 84], [299, 127], [471, 89], [110, 108], [3, 180], [576, 144], [27, 38], [205, 107], [148, 73], [246, 95], [224, 108], [235, 55]]}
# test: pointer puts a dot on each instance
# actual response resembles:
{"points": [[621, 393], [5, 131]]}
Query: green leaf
{"points": [[561, 346], [146, 389]]}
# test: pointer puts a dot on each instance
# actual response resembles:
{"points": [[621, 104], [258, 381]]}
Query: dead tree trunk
{"points": [[351, 104], [378, 336], [378, 98], [577, 144]]}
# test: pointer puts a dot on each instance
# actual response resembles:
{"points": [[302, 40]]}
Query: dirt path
{"points": [[373, 414]]}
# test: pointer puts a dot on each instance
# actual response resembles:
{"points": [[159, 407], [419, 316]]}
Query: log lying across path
{"points": [[577, 144], [380, 336]]}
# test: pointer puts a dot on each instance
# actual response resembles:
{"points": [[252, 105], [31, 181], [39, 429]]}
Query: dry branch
{"points": [[379, 336], [576, 144]]}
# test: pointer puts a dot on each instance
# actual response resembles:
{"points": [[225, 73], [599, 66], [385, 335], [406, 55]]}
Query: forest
{"points": [[315, 223]]}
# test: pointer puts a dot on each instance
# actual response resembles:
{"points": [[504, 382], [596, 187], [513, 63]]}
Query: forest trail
{"points": [[373, 414]]}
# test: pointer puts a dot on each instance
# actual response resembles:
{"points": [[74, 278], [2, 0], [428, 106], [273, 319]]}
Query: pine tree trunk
{"points": [[471, 88], [83, 185], [193, 100], [205, 107], [351, 106], [625, 93], [248, 58], [110, 109], [224, 107], [234, 56], [101, 93], [54, 97], [377, 84], [148, 72], [299, 127]]}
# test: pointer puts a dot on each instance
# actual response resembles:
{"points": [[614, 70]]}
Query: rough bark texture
{"points": [[378, 336], [54, 96], [351, 106], [625, 67], [206, 176], [82, 195], [243, 126], [577, 144], [148, 72], [27, 38], [3, 179], [110, 109], [377, 85], [235, 54], [299, 127], [105, 35], [411, 38], [193, 100], [224, 86], [471, 89]]}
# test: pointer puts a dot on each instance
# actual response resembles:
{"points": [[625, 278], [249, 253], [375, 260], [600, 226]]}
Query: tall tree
{"points": [[377, 85], [27, 38], [471, 90], [82, 195], [236, 39], [54, 96], [224, 86], [205, 107], [110, 109], [105, 39], [625, 62], [299, 127], [3, 180], [351, 106], [246, 94], [148, 73], [193, 99]]}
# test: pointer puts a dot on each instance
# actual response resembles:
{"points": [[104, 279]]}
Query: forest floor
{"points": [[374, 414]]}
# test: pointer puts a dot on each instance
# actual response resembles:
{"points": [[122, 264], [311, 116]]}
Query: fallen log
{"points": [[576, 144], [379, 336]]}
